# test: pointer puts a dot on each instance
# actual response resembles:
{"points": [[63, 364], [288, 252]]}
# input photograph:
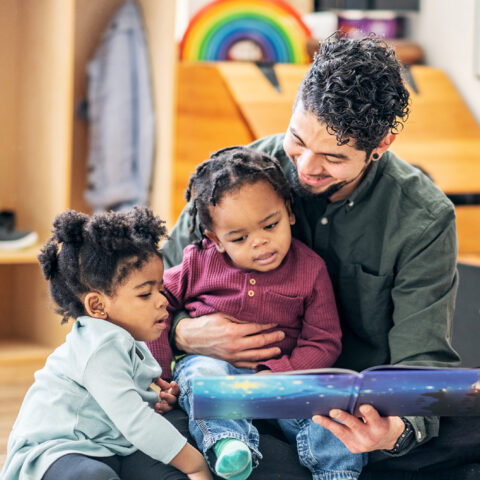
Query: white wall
{"points": [[445, 29]]}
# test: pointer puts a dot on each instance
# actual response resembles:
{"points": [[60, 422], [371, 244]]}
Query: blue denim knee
{"points": [[207, 432]]}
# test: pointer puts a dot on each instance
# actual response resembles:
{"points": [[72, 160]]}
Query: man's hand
{"points": [[221, 336], [366, 434], [167, 396]]}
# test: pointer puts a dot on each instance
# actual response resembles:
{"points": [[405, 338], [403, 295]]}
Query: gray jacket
{"points": [[121, 116]]}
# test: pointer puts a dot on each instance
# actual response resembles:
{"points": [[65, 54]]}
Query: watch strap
{"points": [[404, 439]]}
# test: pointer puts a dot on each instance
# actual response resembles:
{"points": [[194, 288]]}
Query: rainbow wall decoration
{"points": [[272, 25]]}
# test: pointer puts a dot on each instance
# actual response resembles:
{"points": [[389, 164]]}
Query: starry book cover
{"points": [[392, 390]]}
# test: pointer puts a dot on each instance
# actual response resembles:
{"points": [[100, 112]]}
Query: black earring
{"points": [[376, 156]]}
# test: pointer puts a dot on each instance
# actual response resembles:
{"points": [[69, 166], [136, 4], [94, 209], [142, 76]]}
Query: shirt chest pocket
{"points": [[364, 301], [285, 310]]}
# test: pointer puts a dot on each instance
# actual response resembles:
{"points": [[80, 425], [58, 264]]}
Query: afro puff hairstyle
{"points": [[96, 253]]}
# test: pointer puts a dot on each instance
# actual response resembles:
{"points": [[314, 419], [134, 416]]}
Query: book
{"points": [[392, 389]]}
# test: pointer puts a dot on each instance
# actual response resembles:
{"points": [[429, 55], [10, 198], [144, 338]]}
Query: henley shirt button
{"points": [[324, 221], [351, 203], [419, 435], [253, 281], [251, 293]]}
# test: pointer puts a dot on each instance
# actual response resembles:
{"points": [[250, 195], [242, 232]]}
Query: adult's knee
{"points": [[80, 467], [99, 471]]}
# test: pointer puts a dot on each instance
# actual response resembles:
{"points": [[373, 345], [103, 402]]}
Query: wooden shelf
{"points": [[19, 359], [469, 259], [46, 46], [24, 256]]}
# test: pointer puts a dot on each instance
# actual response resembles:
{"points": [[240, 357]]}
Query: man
{"points": [[386, 233]]}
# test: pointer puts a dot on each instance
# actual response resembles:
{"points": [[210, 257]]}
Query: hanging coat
{"points": [[121, 115]]}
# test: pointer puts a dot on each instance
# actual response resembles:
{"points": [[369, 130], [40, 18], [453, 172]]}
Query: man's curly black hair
{"points": [[96, 253], [355, 88], [228, 170]]}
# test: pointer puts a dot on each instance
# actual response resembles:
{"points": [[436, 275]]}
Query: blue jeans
{"points": [[318, 449]]}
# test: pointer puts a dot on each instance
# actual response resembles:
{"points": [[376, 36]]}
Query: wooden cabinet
{"points": [[45, 46]]}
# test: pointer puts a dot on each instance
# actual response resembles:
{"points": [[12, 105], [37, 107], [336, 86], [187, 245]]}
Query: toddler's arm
{"points": [[191, 462]]}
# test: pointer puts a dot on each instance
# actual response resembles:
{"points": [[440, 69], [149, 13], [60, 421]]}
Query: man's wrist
{"points": [[405, 439], [175, 339]]}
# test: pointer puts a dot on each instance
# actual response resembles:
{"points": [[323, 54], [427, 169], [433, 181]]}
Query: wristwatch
{"points": [[404, 439]]}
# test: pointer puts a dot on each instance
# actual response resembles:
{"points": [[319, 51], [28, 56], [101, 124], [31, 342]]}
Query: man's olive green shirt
{"points": [[390, 249]]}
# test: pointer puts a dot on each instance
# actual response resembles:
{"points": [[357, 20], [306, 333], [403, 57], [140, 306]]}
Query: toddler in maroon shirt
{"points": [[248, 266]]}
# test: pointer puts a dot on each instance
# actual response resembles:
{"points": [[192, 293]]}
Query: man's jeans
{"points": [[318, 450]]}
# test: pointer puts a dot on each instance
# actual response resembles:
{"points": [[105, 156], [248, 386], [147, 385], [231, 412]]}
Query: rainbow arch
{"points": [[273, 25]]}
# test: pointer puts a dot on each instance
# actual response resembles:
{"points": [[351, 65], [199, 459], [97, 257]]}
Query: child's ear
{"points": [[291, 216], [211, 236], [94, 303]]}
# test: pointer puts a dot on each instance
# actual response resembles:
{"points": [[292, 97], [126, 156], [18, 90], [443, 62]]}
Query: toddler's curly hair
{"points": [[96, 253], [226, 171]]}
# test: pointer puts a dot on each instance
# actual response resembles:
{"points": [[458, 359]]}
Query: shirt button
{"points": [[324, 221], [351, 203], [251, 293], [253, 281], [419, 435]]}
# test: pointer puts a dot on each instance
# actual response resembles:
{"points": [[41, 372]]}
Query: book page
{"points": [[271, 396]]}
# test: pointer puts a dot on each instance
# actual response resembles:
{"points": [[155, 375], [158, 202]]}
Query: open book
{"points": [[392, 390]]}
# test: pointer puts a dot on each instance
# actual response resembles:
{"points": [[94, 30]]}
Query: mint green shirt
{"points": [[390, 249], [93, 397]]}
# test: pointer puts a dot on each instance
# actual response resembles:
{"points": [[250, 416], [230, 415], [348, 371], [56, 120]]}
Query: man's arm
{"points": [[424, 299], [179, 238]]}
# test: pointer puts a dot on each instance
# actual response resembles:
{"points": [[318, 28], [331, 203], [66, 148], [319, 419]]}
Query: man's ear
{"points": [[95, 305], [383, 146], [211, 236]]}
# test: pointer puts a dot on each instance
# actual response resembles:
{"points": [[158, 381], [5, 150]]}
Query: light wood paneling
{"points": [[468, 229], [438, 111], [160, 24], [36, 98], [6, 296], [11, 396], [441, 134], [26, 255], [19, 360], [207, 119], [265, 110], [454, 163], [8, 112], [37, 320], [45, 40]]}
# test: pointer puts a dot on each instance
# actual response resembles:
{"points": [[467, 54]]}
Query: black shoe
{"points": [[11, 239]]}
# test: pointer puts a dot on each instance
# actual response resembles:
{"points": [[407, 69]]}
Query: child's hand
{"points": [[191, 462], [168, 396]]}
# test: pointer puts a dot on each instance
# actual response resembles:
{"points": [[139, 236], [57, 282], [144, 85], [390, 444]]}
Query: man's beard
{"points": [[303, 192]]}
